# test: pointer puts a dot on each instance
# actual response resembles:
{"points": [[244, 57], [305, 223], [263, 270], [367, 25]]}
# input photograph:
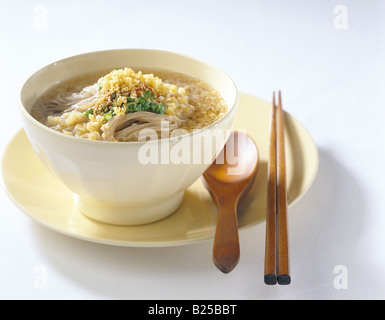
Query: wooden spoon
{"points": [[229, 179]]}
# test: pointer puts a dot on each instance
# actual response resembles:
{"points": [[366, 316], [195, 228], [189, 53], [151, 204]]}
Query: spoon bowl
{"points": [[229, 179]]}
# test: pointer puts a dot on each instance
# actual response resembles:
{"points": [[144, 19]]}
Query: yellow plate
{"points": [[44, 198]]}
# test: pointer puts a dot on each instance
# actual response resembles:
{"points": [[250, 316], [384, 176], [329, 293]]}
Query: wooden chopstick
{"points": [[276, 247], [282, 236], [271, 209]]}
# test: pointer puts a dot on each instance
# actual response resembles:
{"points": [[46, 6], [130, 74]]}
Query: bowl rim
{"points": [[59, 134]]}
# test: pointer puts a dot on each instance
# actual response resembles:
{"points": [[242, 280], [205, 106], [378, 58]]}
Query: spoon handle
{"points": [[226, 241]]}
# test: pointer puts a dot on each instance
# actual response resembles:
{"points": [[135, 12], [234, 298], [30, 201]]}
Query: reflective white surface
{"points": [[332, 81]]}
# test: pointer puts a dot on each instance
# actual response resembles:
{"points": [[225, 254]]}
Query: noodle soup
{"points": [[83, 97], [117, 105]]}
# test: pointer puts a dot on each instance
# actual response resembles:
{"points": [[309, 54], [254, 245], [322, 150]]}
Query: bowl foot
{"points": [[128, 214]]}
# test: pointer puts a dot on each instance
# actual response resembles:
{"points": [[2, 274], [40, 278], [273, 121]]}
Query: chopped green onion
{"points": [[88, 112], [163, 109], [142, 100], [152, 105], [130, 107], [144, 104], [157, 107], [108, 116], [148, 94]]}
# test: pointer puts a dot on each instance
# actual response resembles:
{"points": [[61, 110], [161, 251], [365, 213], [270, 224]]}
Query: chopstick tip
{"points": [[270, 279], [284, 279]]}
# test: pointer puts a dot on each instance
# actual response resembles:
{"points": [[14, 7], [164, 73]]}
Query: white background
{"points": [[332, 81]]}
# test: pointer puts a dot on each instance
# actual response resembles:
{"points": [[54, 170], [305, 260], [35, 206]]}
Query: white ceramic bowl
{"points": [[110, 181]]}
